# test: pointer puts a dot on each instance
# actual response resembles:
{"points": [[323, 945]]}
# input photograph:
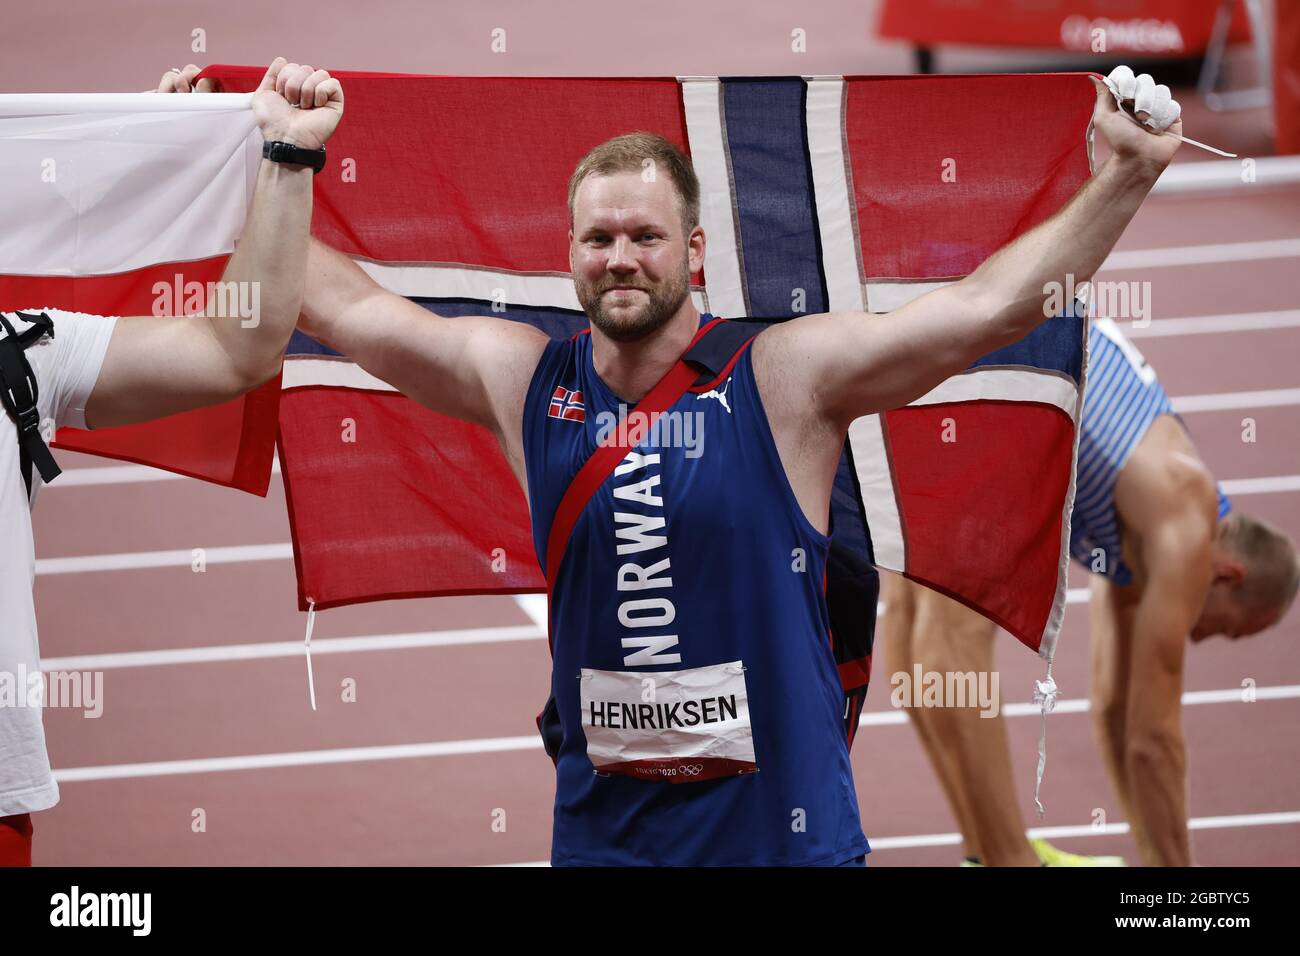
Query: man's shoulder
{"points": [[508, 333], [509, 352], [1168, 509], [1164, 477], [776, 350], [509, 357], [791, 361]]}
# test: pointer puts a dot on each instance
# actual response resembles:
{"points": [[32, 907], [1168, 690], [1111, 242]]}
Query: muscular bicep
{"points": [[473, 368], [157, 366], [856, 363]]}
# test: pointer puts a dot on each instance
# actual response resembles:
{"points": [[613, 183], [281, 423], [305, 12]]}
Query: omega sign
{"points": [[1101, 35]]}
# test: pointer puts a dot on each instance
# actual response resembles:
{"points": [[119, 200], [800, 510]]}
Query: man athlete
{"points": [[683, 586], [1170, 560], [100, 372]]}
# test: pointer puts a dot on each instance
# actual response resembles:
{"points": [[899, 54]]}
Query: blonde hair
{"points": [[628, 153], [1272, 570]]}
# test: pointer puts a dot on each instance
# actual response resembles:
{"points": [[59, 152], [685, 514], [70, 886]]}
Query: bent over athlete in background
{"points": [[685, 637], [1170, 560]]}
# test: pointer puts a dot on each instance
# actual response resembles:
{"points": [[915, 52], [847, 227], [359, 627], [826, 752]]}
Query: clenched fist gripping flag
{"points": [[818, 194]]}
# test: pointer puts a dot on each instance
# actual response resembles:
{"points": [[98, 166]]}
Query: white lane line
{"points": [[1227, 400], [1215, 324], [319, 645], [1260, 486], [1087, 830], [134, 560], [1058, 833], [109, 475], [1232, 695], [302, 758], [1202, 255], [341, 645], [120, 475], [1072, 596], [534, 605], [534, 863], [456, 748], [1229, 695], [1218, 174]]}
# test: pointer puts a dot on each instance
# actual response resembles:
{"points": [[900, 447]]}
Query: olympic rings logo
{"points": [[684, 769]]}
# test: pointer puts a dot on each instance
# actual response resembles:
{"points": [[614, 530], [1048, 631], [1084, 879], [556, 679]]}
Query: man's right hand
{"points": [[293, 103]]}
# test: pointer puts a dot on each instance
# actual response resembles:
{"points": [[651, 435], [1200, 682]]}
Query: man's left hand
{"points": [[1129, 135]]}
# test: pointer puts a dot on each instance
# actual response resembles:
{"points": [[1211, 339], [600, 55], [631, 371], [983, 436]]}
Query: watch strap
{"points": [[278, 151]]}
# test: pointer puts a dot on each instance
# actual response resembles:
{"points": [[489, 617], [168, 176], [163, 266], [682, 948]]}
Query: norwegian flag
{"points": [[567, 404], [821, 194]]}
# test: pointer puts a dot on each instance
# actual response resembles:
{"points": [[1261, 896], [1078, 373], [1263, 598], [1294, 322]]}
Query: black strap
{"points": [[718, 346], [19, 392]]}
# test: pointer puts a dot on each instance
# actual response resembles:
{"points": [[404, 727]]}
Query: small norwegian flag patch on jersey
{"points": [[568, 405]]}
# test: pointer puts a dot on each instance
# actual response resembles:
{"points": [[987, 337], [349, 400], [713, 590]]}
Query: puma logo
{"points": [[721, 396]]}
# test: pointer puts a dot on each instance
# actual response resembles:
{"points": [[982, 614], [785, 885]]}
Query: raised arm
{"points": [[473, 368], [855, 364], [157, 365]]}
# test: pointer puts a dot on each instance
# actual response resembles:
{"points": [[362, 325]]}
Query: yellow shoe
{"points": [[1051, 856]]}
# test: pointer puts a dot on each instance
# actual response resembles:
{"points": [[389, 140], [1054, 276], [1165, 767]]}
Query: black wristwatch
{"points": [[280, 152]]}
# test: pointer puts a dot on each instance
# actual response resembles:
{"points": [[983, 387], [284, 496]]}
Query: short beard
{"points": [[661, 305]]}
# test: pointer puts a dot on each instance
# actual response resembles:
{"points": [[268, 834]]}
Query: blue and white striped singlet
{"points": [[1121, 398]]}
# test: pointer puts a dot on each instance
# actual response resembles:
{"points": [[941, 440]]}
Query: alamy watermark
{"points": [[1114, 300], [222, 300], [672, 429], [128, 910], [946, 689], [78, 690]]}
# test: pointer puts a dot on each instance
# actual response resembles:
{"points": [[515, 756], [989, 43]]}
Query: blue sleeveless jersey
{"points": [[691, 636], [1121, 398]]}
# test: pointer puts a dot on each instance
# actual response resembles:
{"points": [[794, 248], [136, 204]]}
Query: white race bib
{"points": [[678, 726]]}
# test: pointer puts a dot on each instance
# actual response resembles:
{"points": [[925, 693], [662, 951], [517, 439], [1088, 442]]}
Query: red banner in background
{"points": [[1144, 27], [1286, 76]]}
